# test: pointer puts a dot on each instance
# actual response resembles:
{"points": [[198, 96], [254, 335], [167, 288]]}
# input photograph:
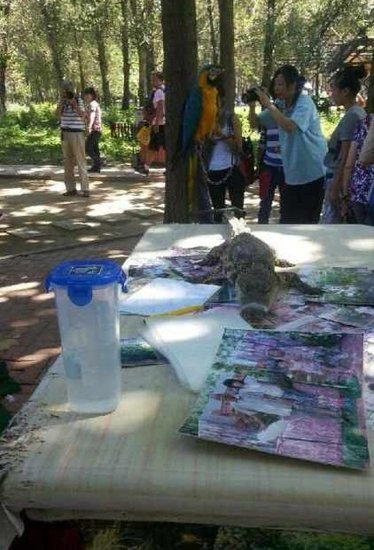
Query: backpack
{"points": [[143, 135], [246, 161]]}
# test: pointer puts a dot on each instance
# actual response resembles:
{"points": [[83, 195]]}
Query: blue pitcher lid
{"points": [[86, 273]]}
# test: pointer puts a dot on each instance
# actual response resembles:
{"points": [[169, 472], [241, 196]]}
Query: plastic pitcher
{"points": [[87, 295]]}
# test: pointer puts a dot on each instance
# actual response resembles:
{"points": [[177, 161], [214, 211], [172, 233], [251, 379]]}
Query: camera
{"points": [[250, 95]]}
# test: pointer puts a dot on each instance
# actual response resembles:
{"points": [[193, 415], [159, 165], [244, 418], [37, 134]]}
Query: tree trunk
{"points": [[226, 48], [51, 34], [4, 16], [150, 55], [317, 84], [213, 39], [269, 45], [150, 64], [125, 54], [143, 84], [78, 50], [180, 67], [103, 64], [141, 47]]}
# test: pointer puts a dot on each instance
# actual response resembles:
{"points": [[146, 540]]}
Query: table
{"points": [[133, 464]]}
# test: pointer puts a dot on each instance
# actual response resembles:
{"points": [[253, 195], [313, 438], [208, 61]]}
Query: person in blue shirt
{"points": [[302, 145]]}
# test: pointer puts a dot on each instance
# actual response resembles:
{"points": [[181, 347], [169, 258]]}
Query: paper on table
{"points": [[166, 295], [190, 342]]}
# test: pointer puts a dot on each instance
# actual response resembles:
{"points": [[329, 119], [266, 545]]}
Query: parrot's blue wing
{"points": [[191, 117]]}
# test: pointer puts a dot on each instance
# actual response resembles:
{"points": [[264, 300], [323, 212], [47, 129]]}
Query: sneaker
{"points": [[70, 193], [85, 194]]}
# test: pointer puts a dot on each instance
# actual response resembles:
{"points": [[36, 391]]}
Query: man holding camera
{"points": [[71, 113]]}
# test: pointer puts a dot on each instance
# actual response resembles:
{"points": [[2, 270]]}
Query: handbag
{"points": [[246, 163]]}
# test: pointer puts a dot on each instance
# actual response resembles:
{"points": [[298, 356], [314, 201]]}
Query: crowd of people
{"points": [[318, 181]]}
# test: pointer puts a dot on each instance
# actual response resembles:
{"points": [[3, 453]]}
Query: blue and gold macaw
{"points": [[199, 122]]}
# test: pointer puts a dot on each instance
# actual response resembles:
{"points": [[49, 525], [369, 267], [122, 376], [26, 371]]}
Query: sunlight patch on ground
{"points": [[23, 293], [40, 209], [19, 287], [87, 239], [116, 206], [42, 297], [55, 186], [14, 192], [251, 200], [24, 323], [42, 353], [157, 185]]}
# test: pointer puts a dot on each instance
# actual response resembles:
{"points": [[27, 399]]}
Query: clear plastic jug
{"points": [[87, 296]]}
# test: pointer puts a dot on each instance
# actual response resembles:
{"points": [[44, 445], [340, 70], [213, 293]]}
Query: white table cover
{"points": [[133, 464]]}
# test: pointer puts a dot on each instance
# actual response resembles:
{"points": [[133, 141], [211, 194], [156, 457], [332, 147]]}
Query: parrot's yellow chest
{"points": [[208, 121]]}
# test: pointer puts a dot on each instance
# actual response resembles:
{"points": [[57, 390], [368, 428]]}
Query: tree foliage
{"points": [[114, 44]]}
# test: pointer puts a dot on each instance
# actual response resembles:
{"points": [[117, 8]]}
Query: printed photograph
{"points": [[359, 317], [292, 394], [341, 285], [178, 263]]}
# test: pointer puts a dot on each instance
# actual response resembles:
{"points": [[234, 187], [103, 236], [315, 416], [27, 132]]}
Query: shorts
{"points": [[157, 139]]}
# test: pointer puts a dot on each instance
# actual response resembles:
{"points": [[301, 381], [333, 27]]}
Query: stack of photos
{"points": [[149, 268], [341, 285], [136, 352], [225, 295], [369, 378], [177, 263], [291, 394], [359, 317]]}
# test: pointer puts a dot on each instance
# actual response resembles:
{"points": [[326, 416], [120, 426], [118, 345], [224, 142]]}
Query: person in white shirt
{"points": [[93, 128], [223, 172], [158, 121]]}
